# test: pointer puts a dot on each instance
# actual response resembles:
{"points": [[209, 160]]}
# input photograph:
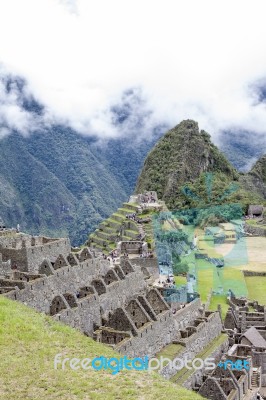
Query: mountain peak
{"points": [[183, 156], [180, 156]]}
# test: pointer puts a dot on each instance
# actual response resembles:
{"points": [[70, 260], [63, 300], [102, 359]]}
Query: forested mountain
{"points": [[188, 170], [57, 182]]}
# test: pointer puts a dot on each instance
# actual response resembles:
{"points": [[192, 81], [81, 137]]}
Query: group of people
{"points": [[134, 218], [168, 282], [148, 254], [111, 256], [148, 198]]}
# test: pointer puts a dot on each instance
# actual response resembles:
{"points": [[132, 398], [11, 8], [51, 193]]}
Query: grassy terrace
{"points": [[109, 228], [255, 222], [219, 299], [182, 375], [180, 280], [256, 288], [170, 351], [29, 342]]}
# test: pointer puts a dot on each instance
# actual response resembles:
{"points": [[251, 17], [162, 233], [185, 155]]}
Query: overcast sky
{"points": [[200, 59]]}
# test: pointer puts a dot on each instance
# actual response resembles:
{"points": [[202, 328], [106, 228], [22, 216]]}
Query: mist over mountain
{"points": [[57, 182], [242, 148]]}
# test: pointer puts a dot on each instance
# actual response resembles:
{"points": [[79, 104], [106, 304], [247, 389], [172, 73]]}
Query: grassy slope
{"points": [[256, 288], [29, 342]]}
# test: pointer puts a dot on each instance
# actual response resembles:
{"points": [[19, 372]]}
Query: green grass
{"points": [[205, 283], [170, 351], [180, 280], [234, 279], [251, 222], [256, 288], [219, 299], [29, 342], [210, 277]]}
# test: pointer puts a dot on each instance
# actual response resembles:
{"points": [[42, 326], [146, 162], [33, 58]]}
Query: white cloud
{"points": [[191, 59], [13, 115]]}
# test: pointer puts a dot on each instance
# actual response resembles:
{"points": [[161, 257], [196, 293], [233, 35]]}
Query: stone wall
{"points": [[186, 315], [255, 230], [238, 316], [258, 357], [28, 254], [254, 273], [204, 333], [5, 267], [41, 292], [151, 338], [150, 263], [196, 378], [16, 256]]}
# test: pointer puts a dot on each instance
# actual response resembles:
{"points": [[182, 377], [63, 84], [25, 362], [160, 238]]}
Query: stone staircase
{"points": [[141, 231], [255, 378]]}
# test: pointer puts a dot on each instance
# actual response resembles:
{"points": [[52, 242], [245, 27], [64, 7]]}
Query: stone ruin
{"points": [[255, 211], [28, 252], [242, 314], [114, 304], [246, 337], [117, 305], [147, 200], [132, 247]]}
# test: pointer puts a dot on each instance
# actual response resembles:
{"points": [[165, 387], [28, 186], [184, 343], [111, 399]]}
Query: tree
{"points": [[180, 268]]}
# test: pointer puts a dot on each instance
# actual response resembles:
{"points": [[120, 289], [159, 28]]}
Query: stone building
{"points": [[28, 252], [225, 384], [115, 304], [242, 314], [255, 211], [252, 337]]}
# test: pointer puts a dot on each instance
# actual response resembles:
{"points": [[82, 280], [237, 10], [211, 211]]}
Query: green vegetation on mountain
{"points": [[29, 342], [187, 170], [58, 183], [255, 180], [259, 169], [51, 183]]}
